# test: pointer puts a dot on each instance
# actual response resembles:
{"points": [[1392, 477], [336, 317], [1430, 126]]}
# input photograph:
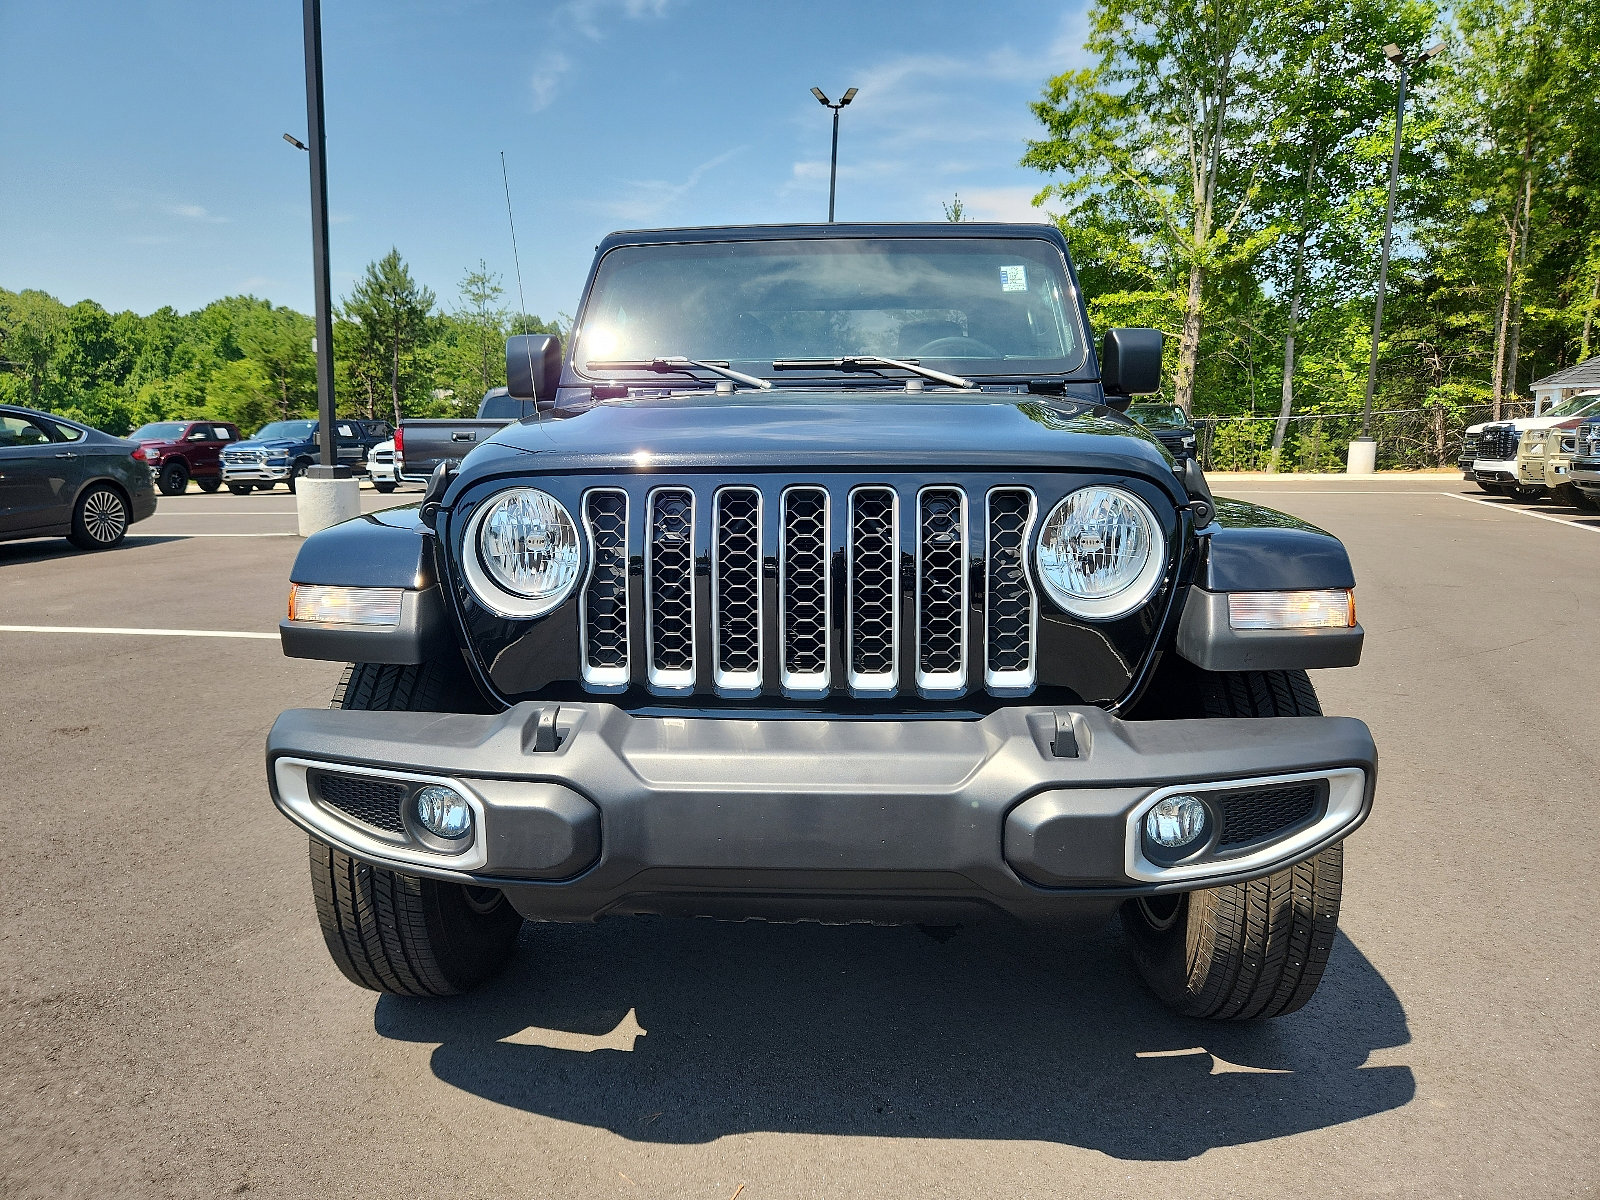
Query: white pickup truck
{"points": [[1489, 454]]}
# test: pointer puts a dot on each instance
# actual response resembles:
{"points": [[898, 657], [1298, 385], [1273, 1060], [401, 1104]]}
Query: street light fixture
{"points": [[295, 142], [1397, 56], [833, 168]]}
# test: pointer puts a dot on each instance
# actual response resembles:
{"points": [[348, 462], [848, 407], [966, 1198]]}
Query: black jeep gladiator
{"points": [[828, 581]]}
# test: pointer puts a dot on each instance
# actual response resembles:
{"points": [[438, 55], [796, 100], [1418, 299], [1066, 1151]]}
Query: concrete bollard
{"points": [[1363, 457], [325, 502]]}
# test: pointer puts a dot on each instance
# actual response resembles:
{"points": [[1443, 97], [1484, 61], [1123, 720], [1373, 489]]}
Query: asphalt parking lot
{"points": [[173, 1025]]}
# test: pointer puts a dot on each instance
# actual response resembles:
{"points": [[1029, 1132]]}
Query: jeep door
{"points": [[37, 477]]}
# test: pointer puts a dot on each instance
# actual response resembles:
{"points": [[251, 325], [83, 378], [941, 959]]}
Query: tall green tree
{"points": [[1160, 144], [278, 342], [484, 320], [1329, 155], [393, 312]]}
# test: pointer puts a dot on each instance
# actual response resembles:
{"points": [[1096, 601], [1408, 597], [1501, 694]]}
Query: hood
{"points": [[274, 444], [801, 429]]}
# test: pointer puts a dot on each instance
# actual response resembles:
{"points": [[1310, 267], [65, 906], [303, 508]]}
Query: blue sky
{"points": [[141, 160]]}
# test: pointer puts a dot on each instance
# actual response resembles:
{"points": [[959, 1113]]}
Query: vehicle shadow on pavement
{"points": [[686, 1031], [46, 549]]}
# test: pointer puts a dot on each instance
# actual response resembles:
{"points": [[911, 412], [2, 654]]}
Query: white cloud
{"points": [[195, 212], [1001, 204], [546, 76], [590, 19], [649, 199]]}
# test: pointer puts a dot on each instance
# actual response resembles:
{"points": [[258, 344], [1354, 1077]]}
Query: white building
{"points": [[1580, 377]]}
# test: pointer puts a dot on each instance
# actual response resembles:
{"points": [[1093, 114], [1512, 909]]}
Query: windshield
{"points": [[158, 431], [979, 306], [285, 431], [1574, 406], [1159, 416]]}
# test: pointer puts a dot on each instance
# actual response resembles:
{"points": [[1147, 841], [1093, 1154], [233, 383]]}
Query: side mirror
{"points": [[1130, 362], [533, 366]]}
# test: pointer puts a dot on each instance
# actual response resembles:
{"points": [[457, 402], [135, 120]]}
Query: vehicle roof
{"points": [[839, 229]]}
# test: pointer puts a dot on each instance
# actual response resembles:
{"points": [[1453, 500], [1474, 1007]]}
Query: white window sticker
{"points": [[1014, 279]]}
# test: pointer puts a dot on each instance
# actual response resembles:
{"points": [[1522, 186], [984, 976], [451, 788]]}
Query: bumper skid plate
{"points": [[625, 813]]}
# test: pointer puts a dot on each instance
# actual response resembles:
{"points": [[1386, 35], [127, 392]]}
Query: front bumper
{"points": [[1488, 470], [584, 809], [1585, 473], [251, 472]]}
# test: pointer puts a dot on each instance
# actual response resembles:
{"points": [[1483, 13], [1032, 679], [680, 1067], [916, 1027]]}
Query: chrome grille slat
{"points": [[805, 609], [1010, 623], [669, 590], [942, 586], [736, 620], [872, 620], [603, 603]]}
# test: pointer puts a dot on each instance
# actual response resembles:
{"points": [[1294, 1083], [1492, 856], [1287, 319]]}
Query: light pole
{"points": [[833, 166], [327, 493], [1366, 456]]}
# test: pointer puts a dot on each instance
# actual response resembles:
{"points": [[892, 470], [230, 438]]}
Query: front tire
{"points": [[239, 489], [298, 470], [398, 933], [209, 485], [1252, 950], [174, 479], [383, 487], [100, 519]]}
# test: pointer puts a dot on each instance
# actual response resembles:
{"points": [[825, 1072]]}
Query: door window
{"points": [[63, 433], [346, 431], [224, 434], [200, 433], [19, 431]]}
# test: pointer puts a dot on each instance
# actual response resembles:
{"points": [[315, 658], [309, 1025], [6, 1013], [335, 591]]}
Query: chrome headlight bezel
{"points": [[497, 595], [1132, 595]]}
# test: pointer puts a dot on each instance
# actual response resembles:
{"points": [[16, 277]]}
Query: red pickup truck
{"points": [[178, 451]]}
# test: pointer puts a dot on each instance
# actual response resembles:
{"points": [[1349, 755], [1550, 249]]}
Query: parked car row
{"points": [[284, 451], [1535, 458]]}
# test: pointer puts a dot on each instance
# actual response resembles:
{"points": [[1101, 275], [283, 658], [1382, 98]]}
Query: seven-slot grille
{"points": [[904, 580]]}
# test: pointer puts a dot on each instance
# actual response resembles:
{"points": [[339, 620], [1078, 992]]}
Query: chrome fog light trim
{"points": [[469, 853], [1347, 791]]}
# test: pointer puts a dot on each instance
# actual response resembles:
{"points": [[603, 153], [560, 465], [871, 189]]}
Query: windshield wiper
{"points": [[868, 362], [677, 365]]}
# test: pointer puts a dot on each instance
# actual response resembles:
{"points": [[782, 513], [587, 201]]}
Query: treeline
{"points": [[245, 360], [1221, 170]]}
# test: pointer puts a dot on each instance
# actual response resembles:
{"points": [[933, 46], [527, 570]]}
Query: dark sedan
{"points": [[1169, 425], [59, 478]]}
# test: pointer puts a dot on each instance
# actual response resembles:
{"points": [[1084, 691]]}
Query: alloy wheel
{"points": [[105, 516]]}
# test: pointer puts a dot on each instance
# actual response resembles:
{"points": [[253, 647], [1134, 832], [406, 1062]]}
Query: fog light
{"points": [[443, 812], [1175, 821]]}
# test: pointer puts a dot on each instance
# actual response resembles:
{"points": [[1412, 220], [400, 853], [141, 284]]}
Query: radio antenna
{"points": [[522, 304]]}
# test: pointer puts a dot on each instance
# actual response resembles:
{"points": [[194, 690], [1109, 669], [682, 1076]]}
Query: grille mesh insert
{"points": [[805, 581], [374, 802], [1009, 608], [941, 615], [872, 582], [738, 589], [672, 580], [606, 595], [1265, 812]]}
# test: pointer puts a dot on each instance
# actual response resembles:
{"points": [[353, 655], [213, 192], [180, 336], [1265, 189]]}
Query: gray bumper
{"points": [[818, 817]]}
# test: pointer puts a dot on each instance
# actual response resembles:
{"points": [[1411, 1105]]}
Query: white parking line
{"points": [[134, 537], [1522, 512], [243, 512], [217, 633]]}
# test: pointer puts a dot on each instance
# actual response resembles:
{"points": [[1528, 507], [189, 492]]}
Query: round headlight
{"points": [[1100, 553], [521, 553]]}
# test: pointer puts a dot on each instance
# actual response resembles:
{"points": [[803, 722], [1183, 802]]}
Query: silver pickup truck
{"points": [[420, 446]]}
